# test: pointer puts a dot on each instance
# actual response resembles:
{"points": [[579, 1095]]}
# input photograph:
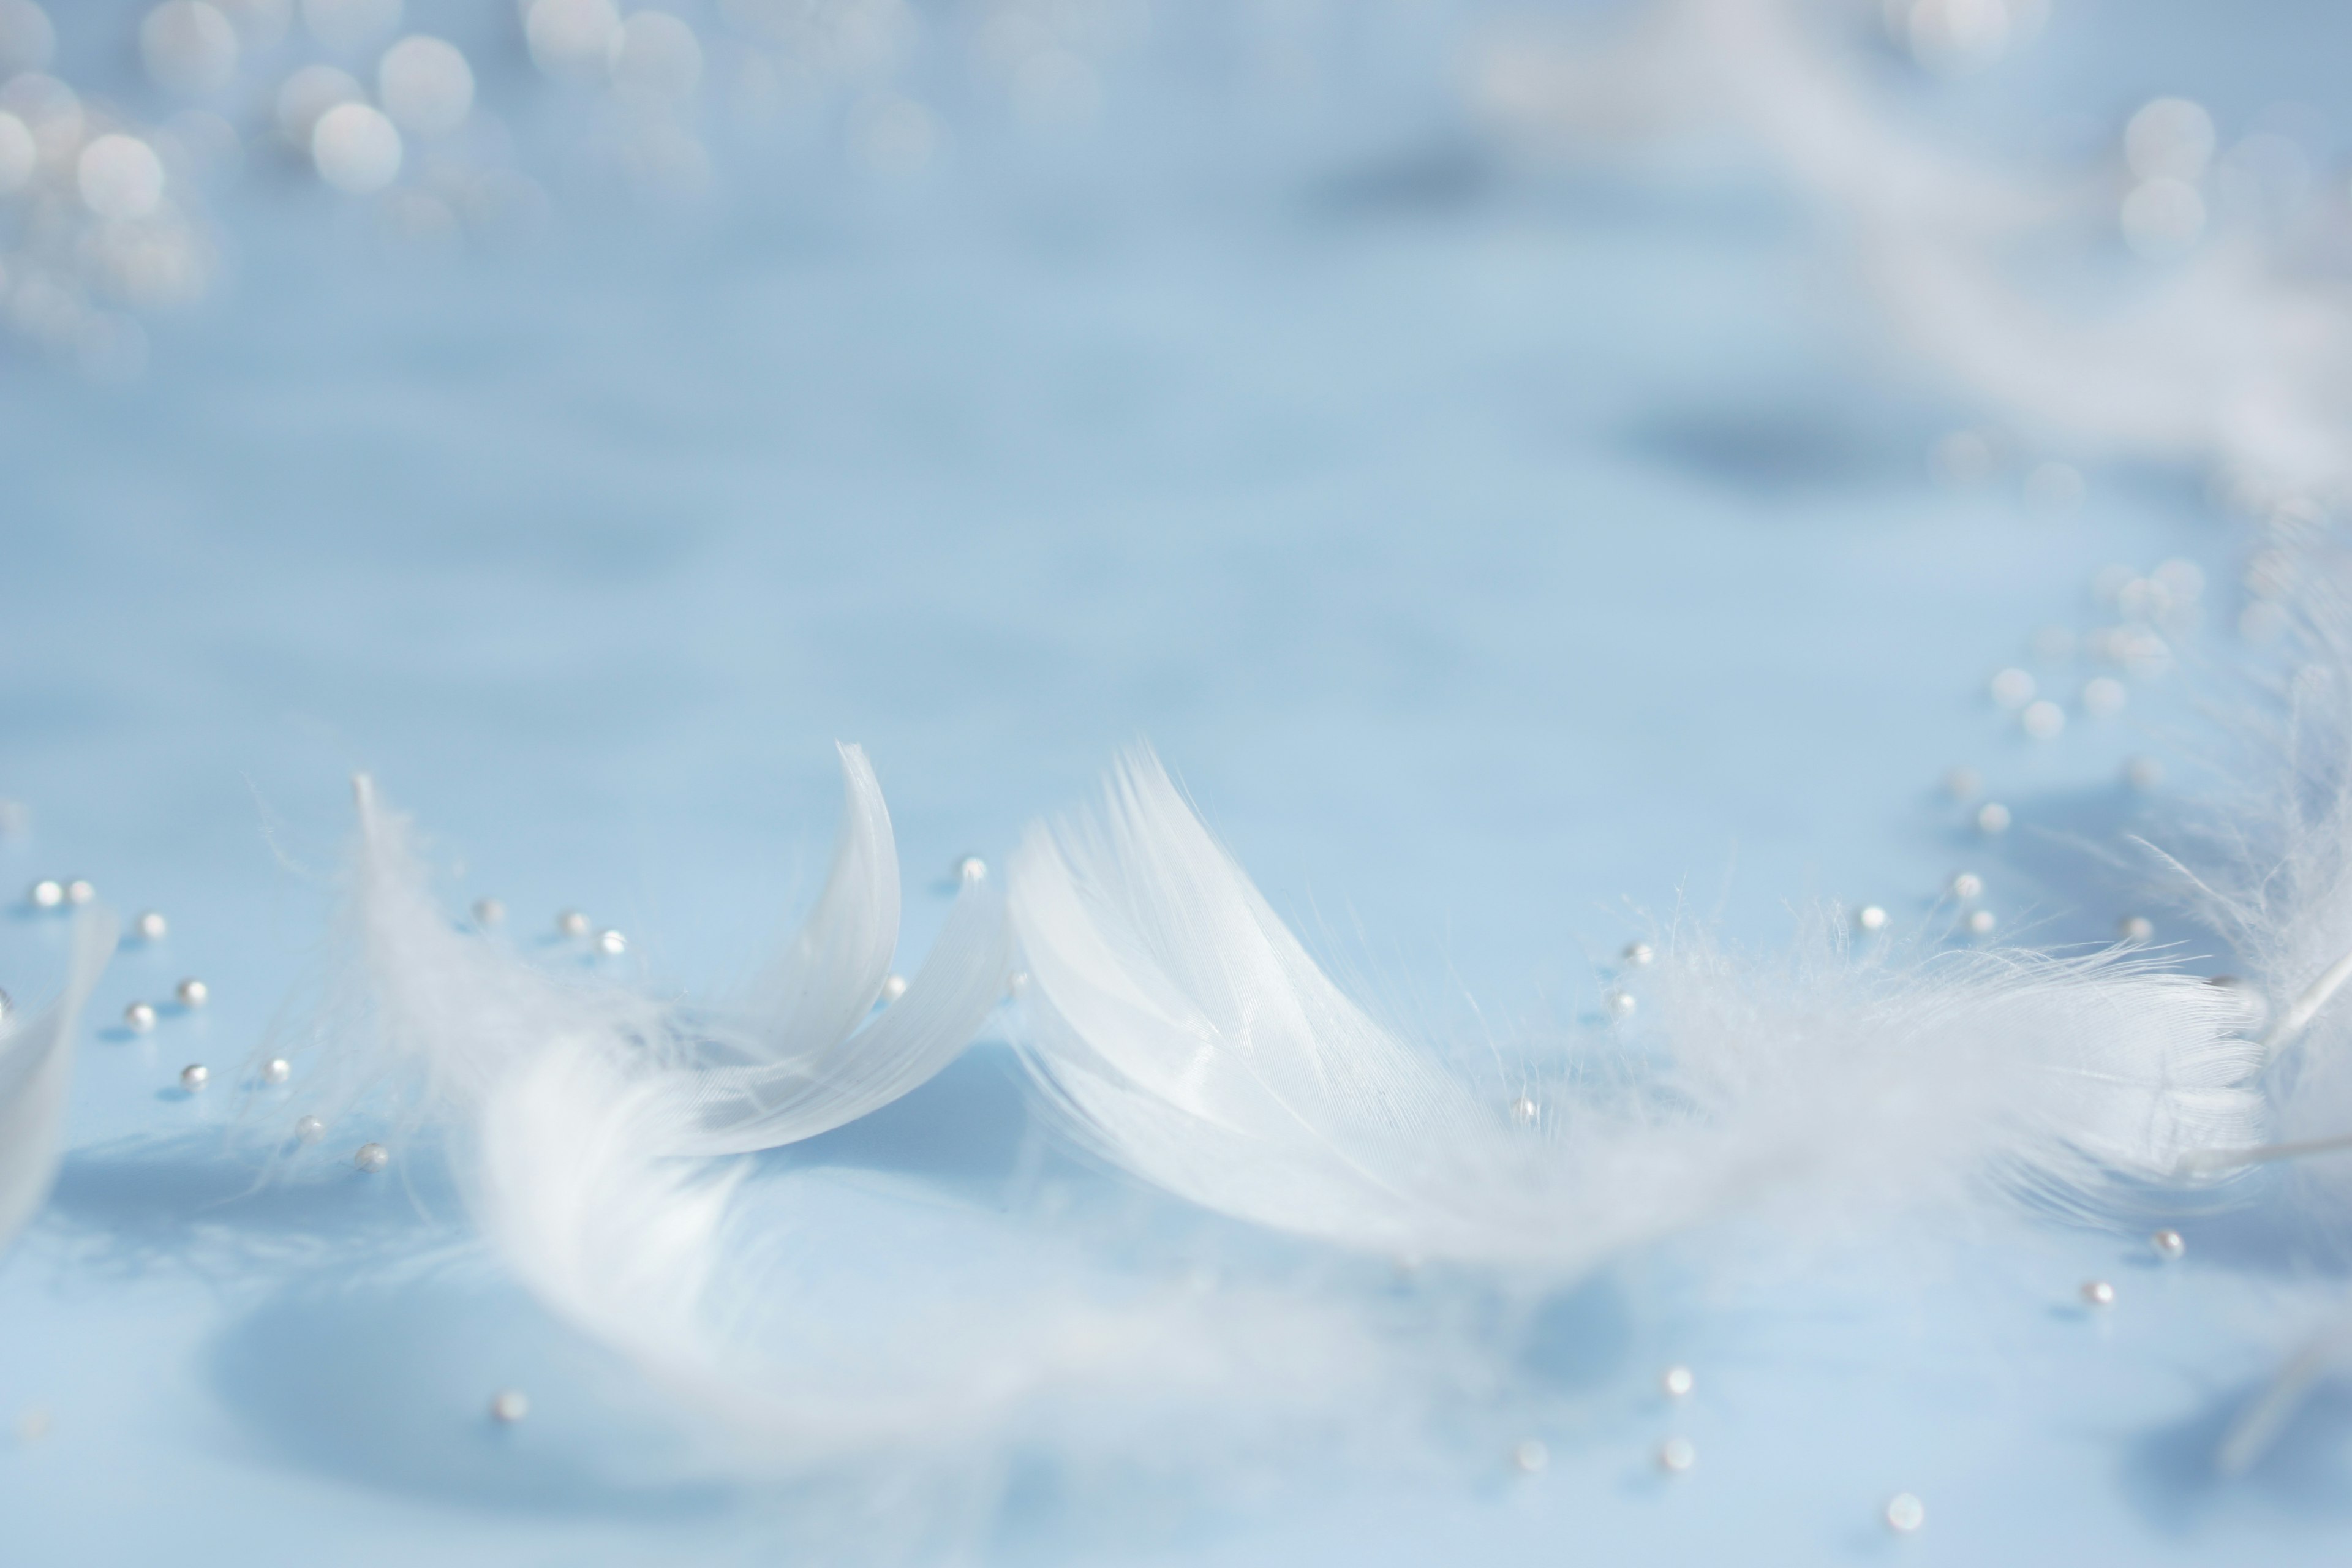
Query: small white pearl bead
{"points": [[2144, 773], [489, 912], [1617, 1003], [151, 926], [1676, 1455], [2255, 1005], [1980, 922], [1524, 1111], [277, 1070], [1964, 784], [80, 891], [971, 869], [510, 1405], [139, 1017], [309, 1129], [46, 894], [1870, 917], [1530, 1455], [612, 944], [894, 988], [1992, 819], [2169, 1245], [571, 924], [1905, 1513], [1967, 885], [1677, 1381], [2135, 928], [1640, 954], [193, 992], [2044, 721], [194, 1077], [2098, 1293], [2105, 697], [371, 1157]]}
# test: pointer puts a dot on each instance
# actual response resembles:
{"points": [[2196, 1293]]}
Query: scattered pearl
{"points": [[489, 912], [1617, 1003], [1870, 917], [1980, 922], [80, 891], [46, 894], [1524, 1111], [571, 924], [1992, 819], [1676, 1455], [2255, 1004], [1639, 954], [32, 1425], [2144, 773], [151, 926], [1967, 885], [2098, 1293], [193, 992], [971, 869], [139, 1017], [894, 988], [277, 1070], [2012, 688], [1964, 784], [2043, 720], [309, 1129], [1905, 1513], [194, 1077], [1677, 1381], [612, 944], [2135, 928], [371, 1157], [1530, 1455], [2169, 1245], [510, 1405]]}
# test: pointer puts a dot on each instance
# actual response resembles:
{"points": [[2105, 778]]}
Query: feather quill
{"points": [[1182, 1032], [36, 1068]]}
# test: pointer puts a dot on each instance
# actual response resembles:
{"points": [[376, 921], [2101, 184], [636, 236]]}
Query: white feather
{"points": [[1186, 1035], [437, 1014], [580, 1116], [36, 1068]]}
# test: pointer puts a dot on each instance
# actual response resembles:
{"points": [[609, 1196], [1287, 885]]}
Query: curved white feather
{"points": [[825, 983], [36, 1068], [1186, 1035]]}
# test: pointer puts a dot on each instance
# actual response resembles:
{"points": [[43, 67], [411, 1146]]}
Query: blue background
{"points": [[1497, 549]]}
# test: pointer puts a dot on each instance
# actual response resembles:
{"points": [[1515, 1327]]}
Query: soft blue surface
{"points": [[1495, 553]]}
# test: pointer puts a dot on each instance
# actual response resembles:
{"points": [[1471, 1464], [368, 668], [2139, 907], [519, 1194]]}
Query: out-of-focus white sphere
{"points": [[426, 85], [308, 94], [2169, 138], [18, 154], [572, 37], [188, 45], [356, 149], [2162, 217], [654, 53], [120, 177], [27, 42]]}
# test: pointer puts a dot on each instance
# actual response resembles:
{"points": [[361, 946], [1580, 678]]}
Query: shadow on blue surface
{"points": [[2170, 1478], [386, 1382]]}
